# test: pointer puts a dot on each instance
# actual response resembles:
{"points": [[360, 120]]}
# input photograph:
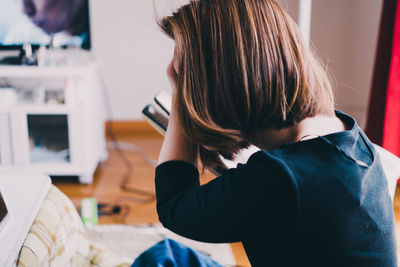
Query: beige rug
{"points": [[130, 241]]}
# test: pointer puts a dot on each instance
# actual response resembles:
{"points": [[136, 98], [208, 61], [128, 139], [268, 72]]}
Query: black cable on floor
{"points": [[146, 196], [128, 166]]}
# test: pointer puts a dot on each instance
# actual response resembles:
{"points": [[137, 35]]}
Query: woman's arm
{"points": [[176, 146], [252, 202]]}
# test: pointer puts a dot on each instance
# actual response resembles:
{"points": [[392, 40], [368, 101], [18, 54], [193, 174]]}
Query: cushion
{"points": [[58, 238]]}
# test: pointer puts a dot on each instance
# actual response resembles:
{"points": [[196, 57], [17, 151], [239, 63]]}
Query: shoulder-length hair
{"points": [[243, 67]]}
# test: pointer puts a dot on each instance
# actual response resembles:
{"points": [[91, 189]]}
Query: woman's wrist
{"points": [[176, 146]]}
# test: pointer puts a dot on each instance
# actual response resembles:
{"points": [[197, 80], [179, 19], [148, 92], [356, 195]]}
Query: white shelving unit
{"points": [[81, 114]]}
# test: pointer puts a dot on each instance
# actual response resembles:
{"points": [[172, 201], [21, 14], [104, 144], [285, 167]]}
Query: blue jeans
{"points": [[169, 253]]}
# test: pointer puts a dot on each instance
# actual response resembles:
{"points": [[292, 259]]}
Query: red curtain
{"points": [[391, 130], [383, 122]]}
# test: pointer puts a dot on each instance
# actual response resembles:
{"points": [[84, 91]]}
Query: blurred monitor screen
{"points": [[35, 22]]}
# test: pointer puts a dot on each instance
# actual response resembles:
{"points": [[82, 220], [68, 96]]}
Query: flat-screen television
{"points": [[62, 23]]}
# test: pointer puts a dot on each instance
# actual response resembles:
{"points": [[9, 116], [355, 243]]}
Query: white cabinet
{"points": [[57, 124]]}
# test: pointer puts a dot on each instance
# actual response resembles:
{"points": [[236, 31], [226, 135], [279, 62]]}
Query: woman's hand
{"points": [[176, 146]]}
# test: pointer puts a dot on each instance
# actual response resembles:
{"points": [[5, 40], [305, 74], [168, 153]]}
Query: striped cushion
{"points": [[58, 238]]}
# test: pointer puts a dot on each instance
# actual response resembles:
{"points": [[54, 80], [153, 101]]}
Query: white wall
{"points": [[345, 32], [135, 53]]}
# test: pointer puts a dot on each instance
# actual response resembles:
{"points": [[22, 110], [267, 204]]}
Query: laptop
{"points": [[21, 196]]}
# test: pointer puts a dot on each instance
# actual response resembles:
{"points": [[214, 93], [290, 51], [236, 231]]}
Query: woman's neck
{"points": [[306, 129]]}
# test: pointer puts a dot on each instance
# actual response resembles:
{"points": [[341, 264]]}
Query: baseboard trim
{"points": [[132, 128]]}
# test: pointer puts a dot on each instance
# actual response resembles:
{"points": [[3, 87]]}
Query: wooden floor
{"points": [[106, 186]]}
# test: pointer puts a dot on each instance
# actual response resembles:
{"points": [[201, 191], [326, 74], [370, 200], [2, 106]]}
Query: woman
{"points": [[316, 194]]}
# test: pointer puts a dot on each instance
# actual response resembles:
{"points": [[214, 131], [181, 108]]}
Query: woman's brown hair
{"points": [[243, 67]]}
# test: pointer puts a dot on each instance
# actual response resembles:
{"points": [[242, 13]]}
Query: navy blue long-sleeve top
{"points": [[319, 202]]}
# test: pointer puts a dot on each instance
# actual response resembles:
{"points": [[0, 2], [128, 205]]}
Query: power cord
{"points": [[135, 149], [111, 210], [117, 207], [128, 167], [106, 209], [109, 130], [146, 196]]}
